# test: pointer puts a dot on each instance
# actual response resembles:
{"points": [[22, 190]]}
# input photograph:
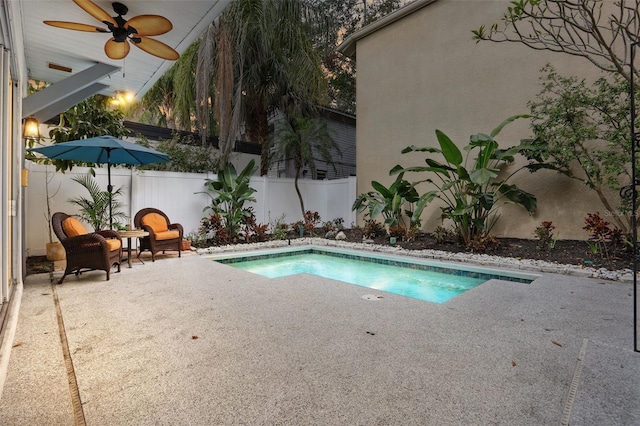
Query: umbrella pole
{"points": [[110, 189]]}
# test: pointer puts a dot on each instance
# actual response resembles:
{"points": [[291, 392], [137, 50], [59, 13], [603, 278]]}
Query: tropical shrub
{"points": [[545, 240], [582, 132], [602, 237], [91, 117], [469, 185], [311, 220], [391, 202], [278, 227], [95, 209], [483, 244], [254, 232], [338, 223], [397, 232], [373, 229], [214, 230], [185, 156], [228, 193], [442, 234]]}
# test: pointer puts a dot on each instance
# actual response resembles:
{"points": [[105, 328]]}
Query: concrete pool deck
{"points": [[190, 341]]}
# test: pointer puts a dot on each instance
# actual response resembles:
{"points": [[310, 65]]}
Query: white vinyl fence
{"points": [[177, 194]]}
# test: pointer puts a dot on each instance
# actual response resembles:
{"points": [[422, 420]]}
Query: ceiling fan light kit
{"points": [[135, 30]]}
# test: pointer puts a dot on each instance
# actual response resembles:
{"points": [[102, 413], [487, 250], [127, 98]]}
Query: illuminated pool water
{"points": [[428, 281]]}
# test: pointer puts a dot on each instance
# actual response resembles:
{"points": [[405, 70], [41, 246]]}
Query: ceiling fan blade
{"points": [[116, 49], [157, 48], [76, 26], [96, 11], [149, 25]]}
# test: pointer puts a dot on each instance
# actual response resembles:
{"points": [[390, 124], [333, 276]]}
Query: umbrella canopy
{"points": [[101, 150]]}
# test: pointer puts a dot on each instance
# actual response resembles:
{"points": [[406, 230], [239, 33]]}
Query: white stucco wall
{"points": [[424, 72]]}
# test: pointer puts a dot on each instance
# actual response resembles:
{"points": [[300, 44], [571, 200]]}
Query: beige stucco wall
{"points": [[424, 72]]}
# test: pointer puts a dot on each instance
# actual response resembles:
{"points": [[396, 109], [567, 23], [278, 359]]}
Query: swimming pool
{"points": [[429, 281]]}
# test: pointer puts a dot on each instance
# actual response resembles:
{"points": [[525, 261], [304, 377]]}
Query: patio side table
{"points": [[133, 233]]}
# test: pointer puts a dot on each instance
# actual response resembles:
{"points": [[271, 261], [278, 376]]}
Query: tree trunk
{"points": [[295, 183], [625, 227]]}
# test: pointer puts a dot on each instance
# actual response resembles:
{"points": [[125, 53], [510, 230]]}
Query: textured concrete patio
{"points": [[190, 341]]}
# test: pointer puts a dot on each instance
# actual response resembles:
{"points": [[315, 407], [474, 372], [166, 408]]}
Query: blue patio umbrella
{"points": [[101, 150]]}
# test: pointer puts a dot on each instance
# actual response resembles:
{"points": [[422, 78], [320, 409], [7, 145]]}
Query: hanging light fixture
{"points": [[31, 128], [122, 99]]}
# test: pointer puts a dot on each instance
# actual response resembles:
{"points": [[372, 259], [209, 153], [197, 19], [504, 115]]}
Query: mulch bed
{"points": [[572, 252]]}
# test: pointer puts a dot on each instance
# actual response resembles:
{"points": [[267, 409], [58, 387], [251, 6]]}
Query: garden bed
{"points": [[570, 252]]}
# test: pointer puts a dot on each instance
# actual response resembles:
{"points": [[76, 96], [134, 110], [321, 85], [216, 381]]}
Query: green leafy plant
{"points": [[197, 238], [413, 232], [229, 193], [95, 210], [328, 227], [185, 156], [91, 117], [391, 202], [278, 227], [469, 185], [582, 132], [545, 240], [213, 229], [442, 234], [373, 229]]}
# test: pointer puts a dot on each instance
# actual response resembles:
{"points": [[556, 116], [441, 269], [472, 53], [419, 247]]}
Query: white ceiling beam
{"points": [[65, 103], [53, 98]]}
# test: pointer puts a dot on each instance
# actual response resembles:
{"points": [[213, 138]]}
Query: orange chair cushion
{"points": [[72, 227], [156, 221], [114, 244], [167, 235]]}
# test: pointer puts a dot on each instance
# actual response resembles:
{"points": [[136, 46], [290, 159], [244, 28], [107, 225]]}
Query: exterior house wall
{"points": [[424, 72]]}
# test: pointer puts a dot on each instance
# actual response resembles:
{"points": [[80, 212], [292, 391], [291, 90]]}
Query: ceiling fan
{"points": [[136, 30]]}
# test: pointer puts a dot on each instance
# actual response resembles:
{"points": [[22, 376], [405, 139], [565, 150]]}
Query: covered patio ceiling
{"points": [[75, 61]]}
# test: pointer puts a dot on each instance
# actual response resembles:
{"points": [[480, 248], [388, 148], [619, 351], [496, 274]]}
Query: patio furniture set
{"points": [[101, 250]]}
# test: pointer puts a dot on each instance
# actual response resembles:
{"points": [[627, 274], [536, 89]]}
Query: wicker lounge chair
{"points": [[86, 250], [163, 235]]}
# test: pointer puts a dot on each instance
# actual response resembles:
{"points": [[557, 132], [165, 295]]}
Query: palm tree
{"points": [[95, 210], [298, 140], [170, 101], [262, 60]]}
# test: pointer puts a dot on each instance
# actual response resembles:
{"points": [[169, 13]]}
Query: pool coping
{"points": [[482, 260], [389, 259]]}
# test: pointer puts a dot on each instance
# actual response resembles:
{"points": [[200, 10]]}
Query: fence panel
{"points": [[180, 196]]}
